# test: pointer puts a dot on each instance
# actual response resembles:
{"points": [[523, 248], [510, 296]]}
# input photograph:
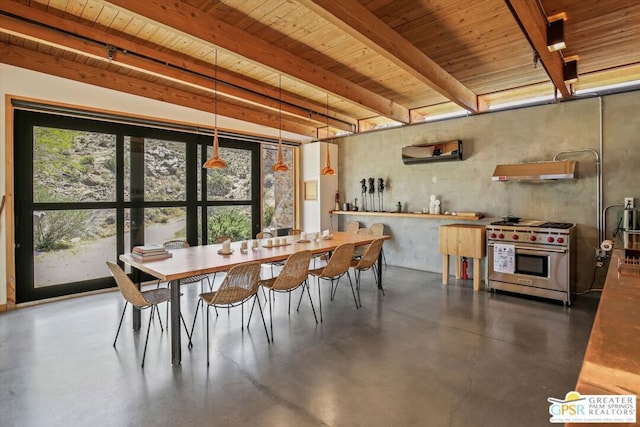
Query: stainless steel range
{"points": [[532, 257]]}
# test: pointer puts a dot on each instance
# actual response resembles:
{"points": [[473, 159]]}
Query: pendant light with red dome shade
{"points": [[328, 170], [215, 162], [280, 166]]}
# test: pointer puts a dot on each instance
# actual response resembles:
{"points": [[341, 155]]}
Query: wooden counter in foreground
{"points": [[612, 360]]}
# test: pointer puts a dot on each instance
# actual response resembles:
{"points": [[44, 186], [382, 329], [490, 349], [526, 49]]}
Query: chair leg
{"points": [[207, 314], [306, 285], [242, 318], [319, 298], [186, 329], [159, 318], [270, 313], [195, 316], [120, 324], [358, 274], [251, 312], [355, 300], [263, 322], [384, 259], [289, 309], [375, 276], [300, 299], [144, 353], [334, 289]]}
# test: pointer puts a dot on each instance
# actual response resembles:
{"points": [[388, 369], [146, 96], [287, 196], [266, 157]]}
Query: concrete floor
{"points": [[423, 355]]}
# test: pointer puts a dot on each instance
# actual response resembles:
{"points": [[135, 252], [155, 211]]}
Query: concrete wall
{"points": [[528, 134]]}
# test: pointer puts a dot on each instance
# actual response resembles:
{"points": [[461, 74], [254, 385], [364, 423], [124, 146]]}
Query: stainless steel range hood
{"points": [[536, 171]]}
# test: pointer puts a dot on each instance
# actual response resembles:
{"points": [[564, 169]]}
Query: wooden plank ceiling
{"points": [[323, 67]]}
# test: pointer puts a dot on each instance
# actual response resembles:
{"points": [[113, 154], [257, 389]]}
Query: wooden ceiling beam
{"points": [[183, 18], [57, 66], [534, 26], [357, 21], [159, 63]]}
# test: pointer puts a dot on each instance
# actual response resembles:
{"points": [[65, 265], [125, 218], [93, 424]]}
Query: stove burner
{"points": [[535, 224], [563, 225], [503, 222]]}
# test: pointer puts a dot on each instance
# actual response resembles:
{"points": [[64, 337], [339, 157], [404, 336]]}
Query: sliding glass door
{"points": [[89, 190]]}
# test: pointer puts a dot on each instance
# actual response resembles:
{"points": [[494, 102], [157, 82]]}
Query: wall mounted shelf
{"points": [[465, 217]]}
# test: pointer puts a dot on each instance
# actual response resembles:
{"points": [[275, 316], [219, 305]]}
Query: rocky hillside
{"points": [[74, 166]]}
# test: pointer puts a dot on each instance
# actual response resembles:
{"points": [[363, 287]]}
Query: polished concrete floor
{"points": [[423, 355]]}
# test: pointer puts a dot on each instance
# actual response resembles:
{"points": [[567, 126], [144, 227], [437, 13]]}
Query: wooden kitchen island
{"points": [[611, 362]]}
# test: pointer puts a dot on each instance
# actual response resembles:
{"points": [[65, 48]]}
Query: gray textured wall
{"points": [[528, 134]]}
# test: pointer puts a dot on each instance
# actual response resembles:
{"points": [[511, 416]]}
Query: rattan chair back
{"points": [[294, 272], [295, 232], [377, 229], [370, 256], [128, 289], [240, 283], [352, 227], [339, 262], [264, 235]]}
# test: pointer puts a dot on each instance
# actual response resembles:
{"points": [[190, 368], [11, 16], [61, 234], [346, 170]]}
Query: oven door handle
{"points": [[533, 250]]}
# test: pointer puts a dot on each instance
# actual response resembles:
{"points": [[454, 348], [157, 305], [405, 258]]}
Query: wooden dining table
{"points": [[186, 262]]}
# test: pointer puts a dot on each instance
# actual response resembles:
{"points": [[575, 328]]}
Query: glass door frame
{"points": [[24, 122]]}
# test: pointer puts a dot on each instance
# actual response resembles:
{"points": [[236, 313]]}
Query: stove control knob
{"points": [[560, 240], [550, 239], [501, 236], [514, 237], [532, 238], [493, 235]]}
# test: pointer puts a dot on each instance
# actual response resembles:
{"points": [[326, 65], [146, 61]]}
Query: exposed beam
{"points": [[534, 25], [356, 20], [183, 18], [166, 63], [57, 66]]}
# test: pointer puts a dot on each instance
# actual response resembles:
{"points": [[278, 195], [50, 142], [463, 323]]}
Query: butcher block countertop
{"points": [[612, 360]]}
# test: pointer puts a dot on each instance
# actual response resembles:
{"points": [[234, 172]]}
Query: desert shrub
{"points": [[228, 222]]}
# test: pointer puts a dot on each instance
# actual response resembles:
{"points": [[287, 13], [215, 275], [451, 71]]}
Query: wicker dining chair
{"points": [[360, 250], [378, 229], [337, 267], [239, 286], [366, 262], [295, 232], [179, 244], [352, 227], [292, 276], [217, 241], [140, 300], [264, 235]]}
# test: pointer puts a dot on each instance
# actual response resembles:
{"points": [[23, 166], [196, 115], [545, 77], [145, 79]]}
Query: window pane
{"points": [[278, 191], [199, 173], [73, 166], [162, 224], [72, 245], [164, 170], [127, 169], [233, 182], [232, 221]]}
